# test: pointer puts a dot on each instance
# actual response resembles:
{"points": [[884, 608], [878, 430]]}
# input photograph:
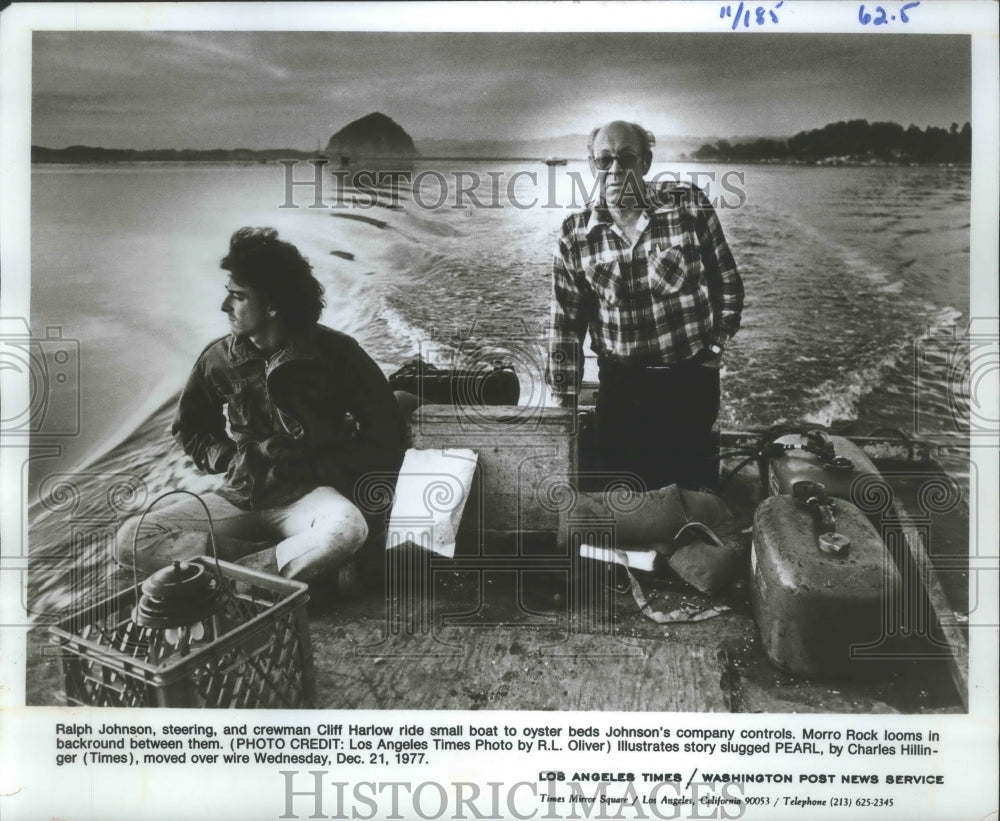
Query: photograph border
{"points": [[27, 747]]}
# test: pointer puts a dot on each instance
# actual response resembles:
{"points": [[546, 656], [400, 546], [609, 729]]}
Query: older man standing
{"points": [[646, 271]]}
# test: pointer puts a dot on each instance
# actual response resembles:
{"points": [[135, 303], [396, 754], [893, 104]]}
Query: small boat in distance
{"points": [[554, 161]]}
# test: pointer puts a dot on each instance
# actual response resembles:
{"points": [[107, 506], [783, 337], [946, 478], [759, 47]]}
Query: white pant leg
{"points": [[322, 530], [167, 530]]}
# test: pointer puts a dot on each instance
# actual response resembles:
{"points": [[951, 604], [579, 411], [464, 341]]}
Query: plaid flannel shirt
{"points": [[665, 298]]}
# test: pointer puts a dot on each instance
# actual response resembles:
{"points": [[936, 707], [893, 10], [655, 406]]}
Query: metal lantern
{"points": [[197, 633], [180, 604]]}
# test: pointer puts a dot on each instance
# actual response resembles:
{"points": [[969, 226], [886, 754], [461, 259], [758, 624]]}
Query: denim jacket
{"points": [[318, 412]]}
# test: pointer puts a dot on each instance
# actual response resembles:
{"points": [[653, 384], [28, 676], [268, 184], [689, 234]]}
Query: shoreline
{"points": [[823, 162]]}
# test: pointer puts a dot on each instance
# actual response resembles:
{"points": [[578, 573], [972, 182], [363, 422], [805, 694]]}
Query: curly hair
{"points": [[258, 259]]}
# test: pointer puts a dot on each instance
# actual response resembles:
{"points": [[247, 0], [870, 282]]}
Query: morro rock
{"points": [[374, 135]]}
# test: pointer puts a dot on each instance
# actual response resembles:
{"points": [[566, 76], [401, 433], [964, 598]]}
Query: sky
{"points": [[294, 89]]}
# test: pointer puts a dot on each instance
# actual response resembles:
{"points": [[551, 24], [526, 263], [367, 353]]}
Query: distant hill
{"points": [[93, 154], [374, 135], [378, 136], [851, 142]]}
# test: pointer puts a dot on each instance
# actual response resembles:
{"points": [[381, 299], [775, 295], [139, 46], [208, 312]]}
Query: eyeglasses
{"points": [[605, 161]]}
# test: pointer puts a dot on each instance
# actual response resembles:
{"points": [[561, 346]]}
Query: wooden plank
{"points": [[526, 458], [504, 669], [957, 643]]}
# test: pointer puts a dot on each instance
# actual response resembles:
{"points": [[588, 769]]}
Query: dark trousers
{"points": [[657, 423]]}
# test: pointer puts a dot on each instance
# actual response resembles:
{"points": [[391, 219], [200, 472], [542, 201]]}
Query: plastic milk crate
{"points": [[258, 653]]}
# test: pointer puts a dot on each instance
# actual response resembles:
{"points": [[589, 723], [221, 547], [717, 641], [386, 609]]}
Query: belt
{"points": [[641, 363]]}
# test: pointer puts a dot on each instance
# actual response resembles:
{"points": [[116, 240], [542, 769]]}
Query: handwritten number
{"points": [[758, 14], [902, 11], [881, 16], [739, 13]]}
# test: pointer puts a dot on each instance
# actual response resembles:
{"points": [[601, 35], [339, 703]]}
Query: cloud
{"points": [[208, 89]]}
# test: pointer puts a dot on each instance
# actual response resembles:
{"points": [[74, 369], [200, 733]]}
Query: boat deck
{"points": [[426, 632]]}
